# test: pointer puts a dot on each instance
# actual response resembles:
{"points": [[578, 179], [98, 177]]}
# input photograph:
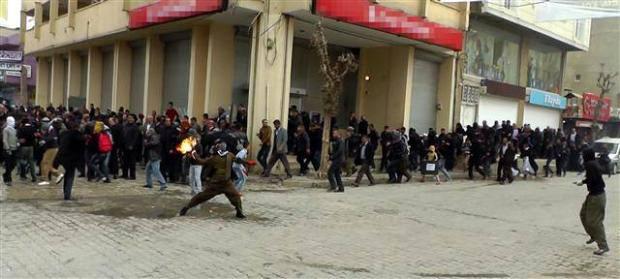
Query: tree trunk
{"points": [[327, 124]]}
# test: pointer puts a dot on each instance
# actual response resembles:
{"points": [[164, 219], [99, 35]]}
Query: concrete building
{"points": [[142, 54], [583, 68], [17, 72], [513, 65]]}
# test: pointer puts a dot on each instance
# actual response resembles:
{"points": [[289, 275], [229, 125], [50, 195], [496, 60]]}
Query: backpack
{"points": [[105, 143]]}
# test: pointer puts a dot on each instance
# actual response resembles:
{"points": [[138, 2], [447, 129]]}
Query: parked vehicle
{"points": [[611, 147]]}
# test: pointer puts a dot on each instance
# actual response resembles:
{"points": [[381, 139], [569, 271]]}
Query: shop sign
{"points": [[546, 99], [170, 10], [11, 55], [504, 89], [10, 66], [590, 103], [375, 16], [14, 70]]}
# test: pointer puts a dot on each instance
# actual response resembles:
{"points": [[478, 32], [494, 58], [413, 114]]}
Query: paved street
{"points": [[459, 229]]}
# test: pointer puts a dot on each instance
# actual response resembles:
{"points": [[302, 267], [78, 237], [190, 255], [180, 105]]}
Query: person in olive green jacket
{"points": [[221, 181]]}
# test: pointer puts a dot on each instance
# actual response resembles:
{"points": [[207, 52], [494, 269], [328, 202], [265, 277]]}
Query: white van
{"points": [[612, 145]]}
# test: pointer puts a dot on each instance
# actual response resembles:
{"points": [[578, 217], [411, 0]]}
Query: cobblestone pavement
{"points": [[455, 230]]}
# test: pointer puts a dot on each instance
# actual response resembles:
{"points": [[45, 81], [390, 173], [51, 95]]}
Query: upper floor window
{"points": [[492, 53], [544, 69]]}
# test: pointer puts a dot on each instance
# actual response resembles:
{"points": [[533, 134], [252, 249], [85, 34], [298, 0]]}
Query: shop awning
{"points": [[169, 10], [378, 17]]}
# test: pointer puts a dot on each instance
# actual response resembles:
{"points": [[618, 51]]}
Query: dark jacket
{"points": [[153, 147], [25, 135], [303, 143], [336, 154], [131, 135], [594, 178], [368, 152], [71, 150]]}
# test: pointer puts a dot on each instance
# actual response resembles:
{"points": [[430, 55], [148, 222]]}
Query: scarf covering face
{"points": [[10, 122]]}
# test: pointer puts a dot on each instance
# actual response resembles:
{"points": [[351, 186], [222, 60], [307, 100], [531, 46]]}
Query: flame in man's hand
{"points": [[187, 145]]}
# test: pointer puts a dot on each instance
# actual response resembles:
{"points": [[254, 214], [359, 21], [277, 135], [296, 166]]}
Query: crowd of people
{"points": [[172, 148], [105, 146]]}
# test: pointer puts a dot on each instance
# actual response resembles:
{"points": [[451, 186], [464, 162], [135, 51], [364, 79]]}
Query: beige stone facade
{"points": [[243, 54]]}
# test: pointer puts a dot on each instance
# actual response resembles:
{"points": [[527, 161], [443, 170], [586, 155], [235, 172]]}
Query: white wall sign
{"points": [[11, 55]]}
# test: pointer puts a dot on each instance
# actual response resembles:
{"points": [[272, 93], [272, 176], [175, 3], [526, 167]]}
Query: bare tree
{"points": [[606, 84], [333, 74]]}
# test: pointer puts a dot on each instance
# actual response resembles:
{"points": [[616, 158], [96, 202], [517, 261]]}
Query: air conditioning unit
{"points": [[298, 91]]}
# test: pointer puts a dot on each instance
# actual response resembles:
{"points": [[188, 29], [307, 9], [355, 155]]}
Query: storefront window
{"points": [[492, 53], [544, 70]]}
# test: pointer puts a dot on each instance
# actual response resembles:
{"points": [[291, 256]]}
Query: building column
{"points": [[524, 61], [220, 67], [73, 88], [446, 94], [93, 80], [43, 81], [53, 15], [386, 97], [58, 81], [198, 71], [38, 19], [71, 9], [270, 72], [154, 74], [121, 80], [520, 113]]}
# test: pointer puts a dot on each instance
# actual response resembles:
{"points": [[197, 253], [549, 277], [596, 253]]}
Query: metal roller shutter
{"points": [[493, 109], [106, 81], [138, 64], [176, 70], [541, 117], [423, 113]]}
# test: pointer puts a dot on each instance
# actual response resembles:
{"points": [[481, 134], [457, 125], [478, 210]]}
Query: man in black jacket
{"points": [[337, 157], [26, 137], [130, 143], [507, 161], [117, 137], [592, 211], [302, 149], [364, 157], [69, 154]]}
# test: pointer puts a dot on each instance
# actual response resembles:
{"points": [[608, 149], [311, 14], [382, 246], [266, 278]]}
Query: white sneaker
{"points": [[60, 178], [43, 183]]}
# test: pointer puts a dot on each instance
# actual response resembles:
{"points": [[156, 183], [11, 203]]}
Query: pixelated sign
{"points": [[170, 10], [375, 16]]}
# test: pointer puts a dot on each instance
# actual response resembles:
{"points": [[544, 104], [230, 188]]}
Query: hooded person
{"points": [[221, 181], [10, 145]]}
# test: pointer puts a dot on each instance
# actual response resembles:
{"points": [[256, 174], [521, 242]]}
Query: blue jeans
{"points": [[241, 178], [195, 181], [152, 168], [103, 170]]}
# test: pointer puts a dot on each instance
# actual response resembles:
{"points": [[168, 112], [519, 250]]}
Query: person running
{"points": [[592, 212], [69, 154]]}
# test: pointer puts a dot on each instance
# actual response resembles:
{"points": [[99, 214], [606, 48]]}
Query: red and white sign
{"points": [[170, 10], [375, 16], [590, 102]]}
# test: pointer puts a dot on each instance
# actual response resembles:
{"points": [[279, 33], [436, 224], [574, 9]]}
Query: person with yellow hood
{"points": [[100, 146], [431, 164]]}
